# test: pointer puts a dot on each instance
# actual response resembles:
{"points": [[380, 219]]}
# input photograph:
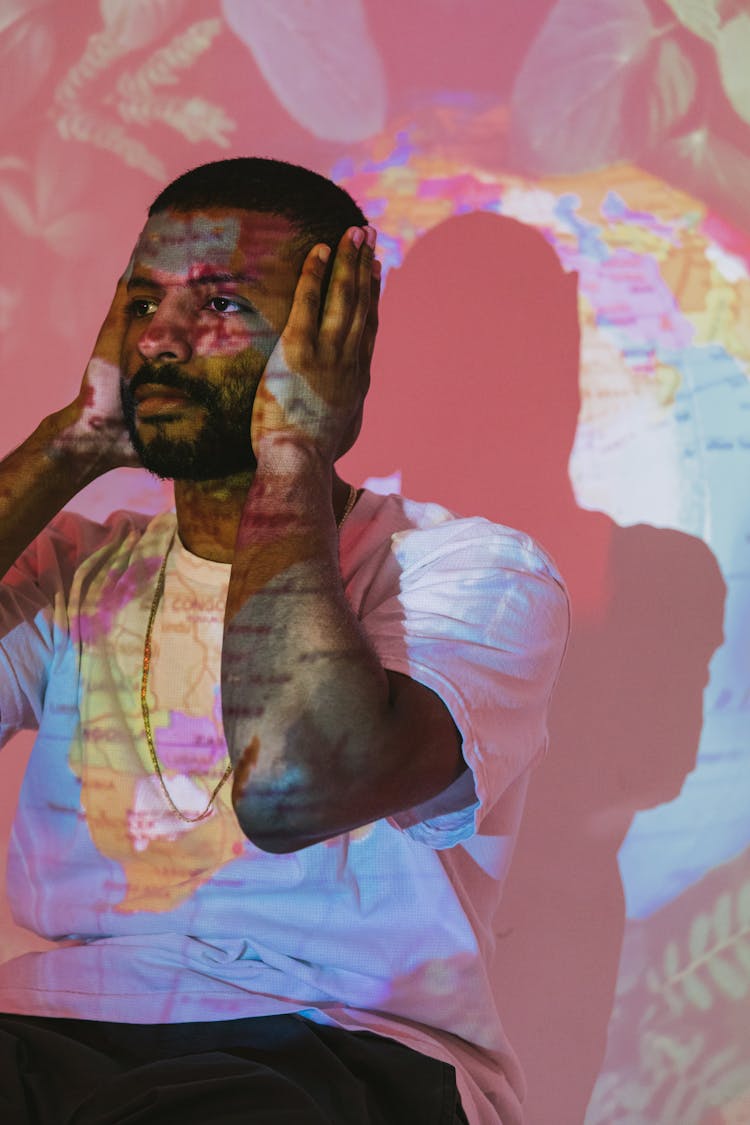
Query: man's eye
{"points": [[142, 306], [225, 305]]}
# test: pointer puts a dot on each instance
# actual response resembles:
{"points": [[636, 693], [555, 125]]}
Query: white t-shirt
{"points": [[387, 928]]}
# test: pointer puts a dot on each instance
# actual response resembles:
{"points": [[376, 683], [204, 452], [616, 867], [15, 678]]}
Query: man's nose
{"points": [[167, 333]]}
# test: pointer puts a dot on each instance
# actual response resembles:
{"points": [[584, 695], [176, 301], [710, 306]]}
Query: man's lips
{"points": [[153, 398], [157, 390]]}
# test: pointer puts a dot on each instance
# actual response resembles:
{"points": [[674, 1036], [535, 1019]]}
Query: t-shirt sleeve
{"points": [[482, 618], [34, 624]]}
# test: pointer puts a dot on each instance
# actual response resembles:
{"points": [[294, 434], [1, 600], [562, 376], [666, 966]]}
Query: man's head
{"points": [[317, 209], [211, 286]]}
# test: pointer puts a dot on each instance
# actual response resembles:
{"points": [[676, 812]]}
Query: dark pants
{"points": [[271, 1070]]}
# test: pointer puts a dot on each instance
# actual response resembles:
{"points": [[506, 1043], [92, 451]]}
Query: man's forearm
{"points": [[304, 694], [322, 738], [36, 481]]}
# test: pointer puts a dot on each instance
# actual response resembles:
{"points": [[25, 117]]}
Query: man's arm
{"points": [[69, 449], [322, 737]]}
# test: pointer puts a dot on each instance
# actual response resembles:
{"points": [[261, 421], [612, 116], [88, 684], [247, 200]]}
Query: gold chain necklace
{"points": [[158, 592]]}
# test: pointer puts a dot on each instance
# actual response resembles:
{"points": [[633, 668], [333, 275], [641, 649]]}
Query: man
{"points": [[242, 882]]}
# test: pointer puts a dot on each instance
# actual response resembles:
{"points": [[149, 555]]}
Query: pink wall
{"points": [[618, 131]]}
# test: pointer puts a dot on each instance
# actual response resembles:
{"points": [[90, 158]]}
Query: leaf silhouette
{"points": [[599, 84], [723, 916], [162, 68], [699, 16], [720, 1060], [671, 83], [83, 114], [59, 184], [197, 119], [109, 135], [743, 904], [671, 959], [27, 48], [634, 1097], [674, 1001], [719, 954], [698, 993], [71, 234], [699, 933], [17, 207], [733, 53], [729, 979], [686, 1008], [568, 96], [707, 166], [327, 39], [679, 1098], [742, 953], [138, 22]]}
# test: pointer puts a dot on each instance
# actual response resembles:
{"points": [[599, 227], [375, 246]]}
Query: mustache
{"points": [[171, 376]]}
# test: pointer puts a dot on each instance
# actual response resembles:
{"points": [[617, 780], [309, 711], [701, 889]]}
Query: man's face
{"points": [[210, 292]]}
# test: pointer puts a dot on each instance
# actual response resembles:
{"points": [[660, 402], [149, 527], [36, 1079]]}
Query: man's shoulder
{"points": [[118, 527], [72, 540], [72, 522], [419, 532]]}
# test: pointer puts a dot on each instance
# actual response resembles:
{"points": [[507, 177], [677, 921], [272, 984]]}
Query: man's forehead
{"points": [[230, 240]]}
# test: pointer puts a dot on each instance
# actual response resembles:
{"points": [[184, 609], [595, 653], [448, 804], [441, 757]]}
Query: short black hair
{"points": [[320, 210]]}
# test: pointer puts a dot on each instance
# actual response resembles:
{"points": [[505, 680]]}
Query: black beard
{"points": [[222, 447]]}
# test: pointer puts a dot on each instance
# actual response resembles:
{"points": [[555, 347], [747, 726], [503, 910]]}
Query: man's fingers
{"points": [[303, 316], [360, 317], [109, 341], [367, 345], [343, 290]]}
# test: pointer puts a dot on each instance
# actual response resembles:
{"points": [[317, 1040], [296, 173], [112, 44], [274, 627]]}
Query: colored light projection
{"points": [[618, 134], [116, 780]]}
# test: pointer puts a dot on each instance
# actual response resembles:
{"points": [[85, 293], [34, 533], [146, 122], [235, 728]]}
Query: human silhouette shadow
{"points": [[475, 399]]}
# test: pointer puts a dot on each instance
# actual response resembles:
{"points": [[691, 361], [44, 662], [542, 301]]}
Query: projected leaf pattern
{"points": [[569, 117], [328, 39], [135, 99], [27, 51], [676, 1030], [718, 955], [638, 92], [197, 119]]}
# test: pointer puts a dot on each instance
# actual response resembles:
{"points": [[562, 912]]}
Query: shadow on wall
{"points": [[475, 398]]}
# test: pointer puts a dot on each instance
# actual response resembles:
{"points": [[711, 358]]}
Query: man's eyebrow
{"points": [[138, 281], [218, 278]]}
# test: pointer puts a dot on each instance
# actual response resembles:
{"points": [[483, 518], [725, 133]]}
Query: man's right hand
{"points": [[91, 430], [71, 447]]}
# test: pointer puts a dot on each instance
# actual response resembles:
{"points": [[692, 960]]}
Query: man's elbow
{"points": [[276, 844], [274, 820]]}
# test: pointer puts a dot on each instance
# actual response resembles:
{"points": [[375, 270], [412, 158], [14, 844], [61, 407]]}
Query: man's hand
{"points": [[92, 429], [314, 384], [70, 447]]}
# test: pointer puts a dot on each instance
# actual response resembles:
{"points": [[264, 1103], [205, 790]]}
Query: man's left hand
{"points": [[315, 381]]}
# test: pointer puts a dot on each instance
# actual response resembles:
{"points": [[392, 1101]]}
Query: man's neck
{"points": [[209, 513]]}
